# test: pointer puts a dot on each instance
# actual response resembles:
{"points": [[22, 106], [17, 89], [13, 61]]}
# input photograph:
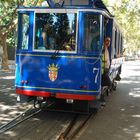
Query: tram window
{"points": [[91, 34], [115, 44], [67, 2], [121, 46], [76, 2], [82, 2], [55, 31], [25, 31]]}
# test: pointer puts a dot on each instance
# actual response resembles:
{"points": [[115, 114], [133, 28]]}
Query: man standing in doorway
{"points": [[105, 69], [106, 63]]}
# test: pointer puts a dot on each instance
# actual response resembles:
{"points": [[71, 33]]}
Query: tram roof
{"points": [[71, 4]]}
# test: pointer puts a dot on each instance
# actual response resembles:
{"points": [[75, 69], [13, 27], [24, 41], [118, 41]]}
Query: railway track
{"points": [[75, 126], [30, 112], [71, 127], [19, 119]]}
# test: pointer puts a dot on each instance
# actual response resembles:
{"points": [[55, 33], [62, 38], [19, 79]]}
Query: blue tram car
{"points": [[59, 51]]}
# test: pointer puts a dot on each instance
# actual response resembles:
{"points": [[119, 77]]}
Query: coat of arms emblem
{"points": [[53, 72]]}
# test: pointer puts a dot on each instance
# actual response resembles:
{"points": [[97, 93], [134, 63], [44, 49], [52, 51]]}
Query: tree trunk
{"points": [[4, 55], [4, 29]]}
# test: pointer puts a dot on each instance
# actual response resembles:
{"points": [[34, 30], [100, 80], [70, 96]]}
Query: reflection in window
{"points": [[58, 3], [82, 2], [121, 45], [119, 39], [91, 34], [55, 31], [115, 48], [25, 31]]}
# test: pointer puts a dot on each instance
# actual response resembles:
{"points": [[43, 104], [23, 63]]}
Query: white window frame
{"points": [[69, 11]]}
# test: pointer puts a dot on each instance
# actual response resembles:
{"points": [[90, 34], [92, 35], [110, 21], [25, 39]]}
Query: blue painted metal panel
{"points": [[73, 73]]}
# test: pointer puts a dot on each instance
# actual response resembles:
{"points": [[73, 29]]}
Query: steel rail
{"points": [[81, 126], [19, 119], [67, 134], [22, 117], [68, 129]]}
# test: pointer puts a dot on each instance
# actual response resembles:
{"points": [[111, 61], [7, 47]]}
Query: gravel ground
{"points": [[9, 108]]}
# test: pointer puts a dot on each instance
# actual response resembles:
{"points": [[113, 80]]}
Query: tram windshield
{"points": [[55, 31]]}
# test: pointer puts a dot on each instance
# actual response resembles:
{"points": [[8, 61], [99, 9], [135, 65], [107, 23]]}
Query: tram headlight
{"points": [[39, 98], [69, 101]]}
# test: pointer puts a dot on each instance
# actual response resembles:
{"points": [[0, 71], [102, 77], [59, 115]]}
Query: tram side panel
{"points": [[66, 77]]}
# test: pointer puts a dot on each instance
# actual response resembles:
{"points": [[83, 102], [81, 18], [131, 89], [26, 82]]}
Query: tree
{"points": [[8, 21], [127, 13]]}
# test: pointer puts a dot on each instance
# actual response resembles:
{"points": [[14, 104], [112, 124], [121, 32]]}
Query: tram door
{"points": [[108, 25], [91, 41]]}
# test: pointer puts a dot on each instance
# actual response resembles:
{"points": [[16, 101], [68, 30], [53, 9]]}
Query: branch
{"points": [[3, 5], [20, 3], [13, 16], [35, 3], [8, 26], [5, 12]]}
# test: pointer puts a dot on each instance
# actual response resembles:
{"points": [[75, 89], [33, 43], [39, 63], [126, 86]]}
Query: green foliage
{"points": [[6, 12], [7, 16], [127, 13]]}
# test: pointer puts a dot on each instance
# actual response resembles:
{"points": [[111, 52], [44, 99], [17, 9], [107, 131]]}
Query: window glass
{"points": [[91, 33], [25, 31], [76, 2], [119, 39], [115, 44], [121, 45], [55, 31], [67, 2], [82, 2]]}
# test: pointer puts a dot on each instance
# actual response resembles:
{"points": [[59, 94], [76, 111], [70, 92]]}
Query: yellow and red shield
{"points": [[53, 75], [53, 72]]}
